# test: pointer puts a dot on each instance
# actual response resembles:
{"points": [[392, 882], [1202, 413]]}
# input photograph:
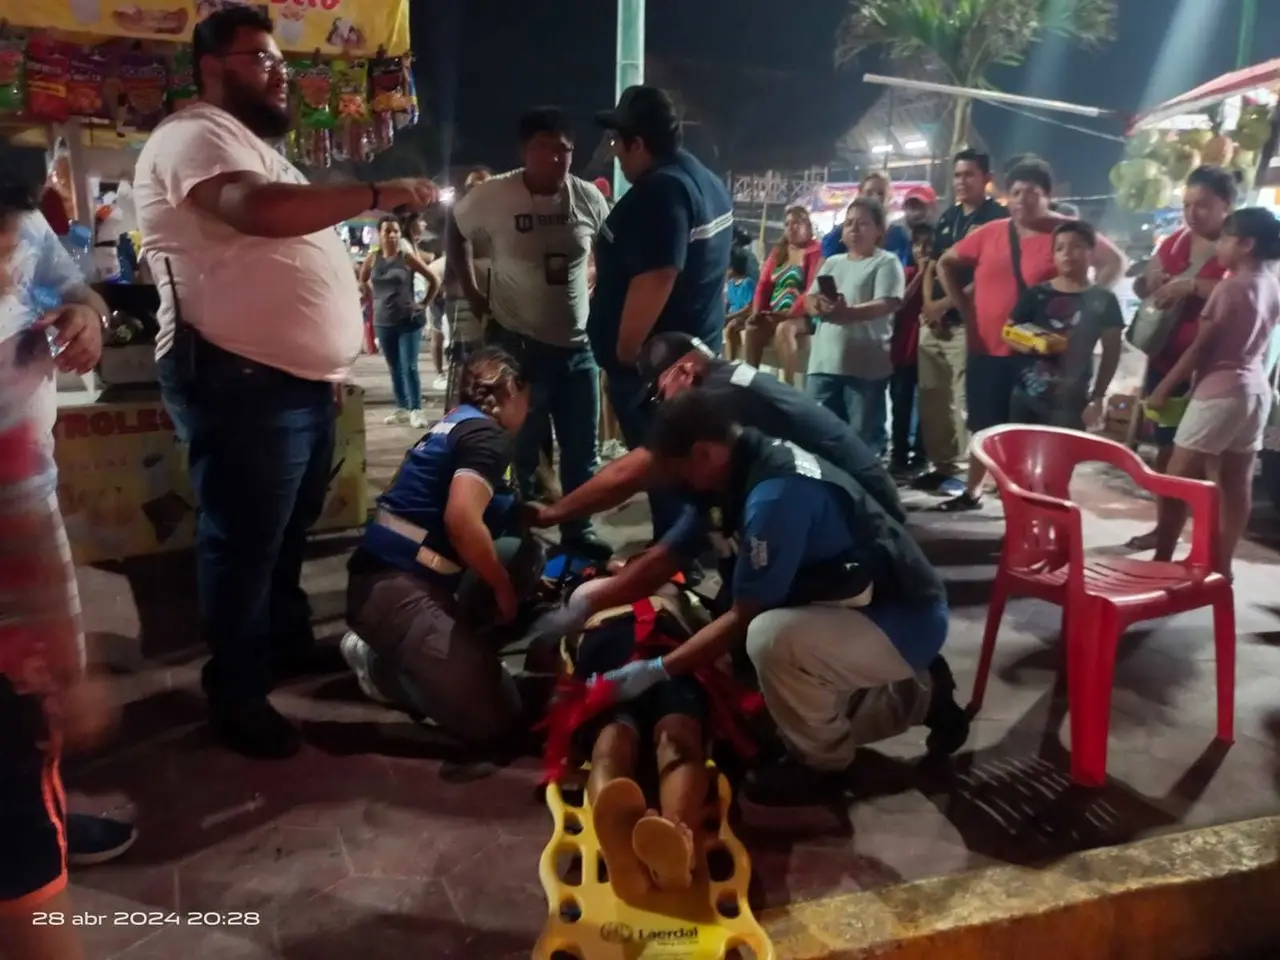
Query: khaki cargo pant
{"points": [[941, 363]]}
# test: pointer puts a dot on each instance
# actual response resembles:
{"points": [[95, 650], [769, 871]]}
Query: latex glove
{"points": [[636, 678], [565, 620]]}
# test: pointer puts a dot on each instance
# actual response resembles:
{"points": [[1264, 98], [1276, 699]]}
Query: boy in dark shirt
{"points": [[1059, 388]]}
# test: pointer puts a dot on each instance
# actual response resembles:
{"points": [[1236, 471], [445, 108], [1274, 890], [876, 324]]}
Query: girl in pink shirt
{"points": [[1221, 432]]}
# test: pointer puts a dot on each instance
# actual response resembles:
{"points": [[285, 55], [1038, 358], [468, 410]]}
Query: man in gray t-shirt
{"points": [[539, 225]]}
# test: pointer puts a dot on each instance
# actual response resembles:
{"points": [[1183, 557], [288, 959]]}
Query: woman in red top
{"points": [[777, 313], [1207, 201]]}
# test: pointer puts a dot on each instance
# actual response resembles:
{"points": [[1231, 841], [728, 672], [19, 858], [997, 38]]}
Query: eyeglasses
{"points": [[267, 61]]}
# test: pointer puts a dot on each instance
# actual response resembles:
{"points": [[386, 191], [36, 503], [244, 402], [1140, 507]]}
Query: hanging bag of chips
{"points": [[13, 90], [48, 74], [314, 83], [351, 104]]}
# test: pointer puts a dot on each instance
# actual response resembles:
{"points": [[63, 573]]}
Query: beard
{"points": [[251, 108]]}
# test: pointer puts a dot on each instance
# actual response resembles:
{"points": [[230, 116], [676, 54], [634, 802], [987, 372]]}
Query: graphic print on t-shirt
{"points": [[1055, 312]]}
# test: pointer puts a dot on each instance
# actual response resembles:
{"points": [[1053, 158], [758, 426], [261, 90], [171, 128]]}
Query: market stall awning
{"points": [[1259, 76], [334, 27]]}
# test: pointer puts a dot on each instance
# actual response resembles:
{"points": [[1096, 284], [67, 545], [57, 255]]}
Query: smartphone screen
{"points": [[827, 287]]}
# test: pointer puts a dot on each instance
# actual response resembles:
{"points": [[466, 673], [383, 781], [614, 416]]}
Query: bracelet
{"points": [[376, 197]]}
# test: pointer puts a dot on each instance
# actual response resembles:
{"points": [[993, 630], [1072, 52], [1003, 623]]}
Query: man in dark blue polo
{"points": [[661, 258]]}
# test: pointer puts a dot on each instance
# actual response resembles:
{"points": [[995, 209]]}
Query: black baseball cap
{"points": [[641, 110], [659, 354]]}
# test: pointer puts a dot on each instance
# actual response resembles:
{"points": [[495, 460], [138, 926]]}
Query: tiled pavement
{"points": [[376, 843]]}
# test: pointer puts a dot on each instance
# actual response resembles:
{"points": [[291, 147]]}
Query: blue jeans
{"points": [[401, 345], [260, 449], [860, 403], [564, 393], [908, 442], [635, 416]]}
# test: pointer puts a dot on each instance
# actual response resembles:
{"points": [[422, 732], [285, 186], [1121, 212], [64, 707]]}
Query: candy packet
{"points": [[143, 79], [48, 71], [351, 88], [86, 84], [314, 84], [182, 80], [12, 70]]}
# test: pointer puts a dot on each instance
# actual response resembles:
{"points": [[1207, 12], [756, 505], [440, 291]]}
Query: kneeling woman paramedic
{"points": [[442, 562]]}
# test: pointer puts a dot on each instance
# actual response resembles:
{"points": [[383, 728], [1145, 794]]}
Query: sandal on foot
{"points": [[666, 848], [961, 504], [1141, 543], [617, 811]]}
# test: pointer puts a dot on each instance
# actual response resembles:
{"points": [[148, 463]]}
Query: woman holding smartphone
{"points": [[853, 300]]}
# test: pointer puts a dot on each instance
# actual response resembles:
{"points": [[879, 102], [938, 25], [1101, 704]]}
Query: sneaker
{"points": [[397, 417], [441, 383], [358, 655], [947, 721], [789, 783], [589, 544], [94, 840], [257, 730], [964, 502], [417, 419]]}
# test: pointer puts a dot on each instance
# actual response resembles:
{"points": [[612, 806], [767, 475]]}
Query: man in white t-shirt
{"points": [[260, 319], [539, 224]]}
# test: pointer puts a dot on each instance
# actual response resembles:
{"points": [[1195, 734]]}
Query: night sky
{"points": [[482, 62]]}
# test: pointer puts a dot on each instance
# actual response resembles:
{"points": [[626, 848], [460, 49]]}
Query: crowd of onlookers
{"points": [[923, 331]]}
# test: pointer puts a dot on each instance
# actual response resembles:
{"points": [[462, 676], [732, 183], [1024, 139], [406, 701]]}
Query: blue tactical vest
{"points": [[886, 555], [418, 495]]}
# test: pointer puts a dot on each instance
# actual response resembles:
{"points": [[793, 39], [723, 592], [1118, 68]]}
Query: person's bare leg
{"points": [[668, 843], [1235, 480], [437, 351], [1147, 541], [976, 478], [1171, 514], [733, 340], [758, 338], [785, 342], [21, 939], [617, 805]]}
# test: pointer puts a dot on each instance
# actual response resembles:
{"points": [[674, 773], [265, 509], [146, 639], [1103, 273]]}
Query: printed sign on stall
{"points": [[331, 26]]}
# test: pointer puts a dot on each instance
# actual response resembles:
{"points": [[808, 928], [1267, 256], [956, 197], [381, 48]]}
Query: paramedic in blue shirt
{"points": [[661, 257], [442, 563], [842, 616]]}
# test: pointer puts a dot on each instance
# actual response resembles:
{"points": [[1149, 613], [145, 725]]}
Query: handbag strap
{"points": [[1015, 258]]}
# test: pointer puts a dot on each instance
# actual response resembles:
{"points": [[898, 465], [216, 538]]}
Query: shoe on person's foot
{"points": [[256, 729], [358, 654], [396, 417], [964, 503], [94, 840], [417, 419], [947, 721], [589, 544], [441, 383], [790, 783]]}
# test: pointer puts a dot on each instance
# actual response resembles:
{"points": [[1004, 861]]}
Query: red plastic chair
{"points": [[1101, 597]]}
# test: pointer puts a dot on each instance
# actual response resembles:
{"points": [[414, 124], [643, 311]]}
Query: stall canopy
{"points": [[1258, 77], [334, 27]]}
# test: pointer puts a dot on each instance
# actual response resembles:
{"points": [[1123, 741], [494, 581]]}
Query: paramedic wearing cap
{"points": [[674, 363], [838, 609], [661, 257]]}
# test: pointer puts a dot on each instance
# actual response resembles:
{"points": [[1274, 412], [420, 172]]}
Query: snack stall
{"points": [[828, 201], [88, 80]]}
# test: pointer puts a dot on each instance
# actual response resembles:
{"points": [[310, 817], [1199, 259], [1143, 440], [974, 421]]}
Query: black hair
{"points": [[1259, 225], [689, 418], [383, 221], [1217, 180], [738, 262], [549, 120], [488, 378], [16, 198], [214, 35], [1081, 228], [922, 231], [873, 208], [1033, 171], [979, 159], [741, 237], [661, 142]]}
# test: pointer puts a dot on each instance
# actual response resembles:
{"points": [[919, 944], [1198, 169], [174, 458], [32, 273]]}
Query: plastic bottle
{"points": [[45, 299], [80, 247]]}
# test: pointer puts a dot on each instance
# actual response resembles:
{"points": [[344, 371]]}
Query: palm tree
{"points": [[966, 38]]}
